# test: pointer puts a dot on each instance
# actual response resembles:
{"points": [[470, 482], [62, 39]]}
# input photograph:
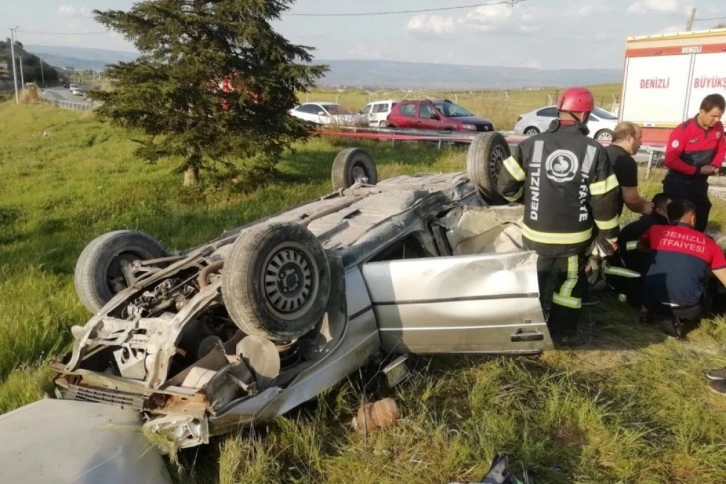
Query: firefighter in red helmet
{"points": [[570, 192]]}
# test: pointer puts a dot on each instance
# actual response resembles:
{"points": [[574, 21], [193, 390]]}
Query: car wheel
{"points": [[483, 162], [104, 268], [531, 131], [604, 135], [351, 165], [392, 126], [276, 281], [381, 124]]}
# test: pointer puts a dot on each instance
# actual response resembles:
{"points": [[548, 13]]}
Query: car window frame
{"points": [[548, 108], [385, 108], [431, 108], [413, 113]]}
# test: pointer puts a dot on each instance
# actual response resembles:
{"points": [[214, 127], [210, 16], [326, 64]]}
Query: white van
{"points": [[378, 111]]}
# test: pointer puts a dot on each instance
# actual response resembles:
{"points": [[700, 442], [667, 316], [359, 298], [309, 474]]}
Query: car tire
{"points": [[353, 164], [604, 135], [261, 264], [392, 126], [381, 124], [99, 275], [483, 162], [531, 131]]}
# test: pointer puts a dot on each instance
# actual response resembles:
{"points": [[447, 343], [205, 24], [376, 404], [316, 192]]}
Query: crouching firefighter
{"points": [[628, 257], [568, 186]]}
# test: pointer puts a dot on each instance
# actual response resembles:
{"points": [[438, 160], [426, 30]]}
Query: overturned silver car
{"points": [[269, 315]]}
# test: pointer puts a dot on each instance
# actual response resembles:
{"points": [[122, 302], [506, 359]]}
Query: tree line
{"points": [[31, 65]]}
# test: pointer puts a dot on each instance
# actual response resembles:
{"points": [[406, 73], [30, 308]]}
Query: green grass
{"points": [[632, 406]]}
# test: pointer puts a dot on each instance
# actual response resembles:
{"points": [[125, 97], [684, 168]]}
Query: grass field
{"points": [[630, 406]]}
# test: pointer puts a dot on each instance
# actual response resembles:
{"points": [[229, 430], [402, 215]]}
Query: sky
{"points": [[548, 34]]}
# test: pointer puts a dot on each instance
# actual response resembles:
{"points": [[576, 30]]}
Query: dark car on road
{"points": [[438, 115]]}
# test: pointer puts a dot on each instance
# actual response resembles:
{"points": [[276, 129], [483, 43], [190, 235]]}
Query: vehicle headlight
{"points": [[470, 127]]}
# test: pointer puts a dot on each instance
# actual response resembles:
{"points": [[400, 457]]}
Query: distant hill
{"points": [[32, 71], [392, 74], [379, 73], [80, 58]]}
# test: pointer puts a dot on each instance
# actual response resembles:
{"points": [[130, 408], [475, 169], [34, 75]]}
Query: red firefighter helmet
{"points": [[576, 100]]}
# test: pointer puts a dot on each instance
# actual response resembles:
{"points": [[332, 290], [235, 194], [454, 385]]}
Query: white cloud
{"points": [[431, 26], [70, 11], [481, 19], [487, 18], [672, 29], [586, 9], [67, 11], [660, 6]]}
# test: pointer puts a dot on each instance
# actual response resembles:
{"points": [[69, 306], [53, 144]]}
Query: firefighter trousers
{"points": [[566, 275], [697, 193]]}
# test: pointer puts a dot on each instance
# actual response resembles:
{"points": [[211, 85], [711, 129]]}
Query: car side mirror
{"points": [[321, 113], [435, 116]]}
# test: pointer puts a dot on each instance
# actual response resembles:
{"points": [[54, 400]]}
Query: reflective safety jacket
{"points": [[567, 184]]}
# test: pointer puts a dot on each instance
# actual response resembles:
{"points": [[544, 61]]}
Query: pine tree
{"points": [[213, 83]]}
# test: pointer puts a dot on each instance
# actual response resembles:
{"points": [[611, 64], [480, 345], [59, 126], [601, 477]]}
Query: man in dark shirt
{"points": [[679, 258], [627, 138], [627, 255]]}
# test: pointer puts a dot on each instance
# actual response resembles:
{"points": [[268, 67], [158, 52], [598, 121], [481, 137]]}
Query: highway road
{"points": [[64, 94]]}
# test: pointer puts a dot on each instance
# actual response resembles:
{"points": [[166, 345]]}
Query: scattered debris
{"points": [[377, 415], [499, 473]]}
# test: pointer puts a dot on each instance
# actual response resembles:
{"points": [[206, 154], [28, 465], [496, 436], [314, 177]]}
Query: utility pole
{"points": [[22, 79], [12, 56], [689, 25], [42, 76]]}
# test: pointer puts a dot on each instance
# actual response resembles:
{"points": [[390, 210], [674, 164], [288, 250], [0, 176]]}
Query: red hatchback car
{"points": [[439, 115]]}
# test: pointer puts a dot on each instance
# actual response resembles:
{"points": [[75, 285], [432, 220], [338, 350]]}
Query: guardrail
{"points": [[63, 104], [653, 153]]}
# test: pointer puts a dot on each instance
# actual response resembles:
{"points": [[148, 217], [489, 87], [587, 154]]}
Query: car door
{"points": [[594, 124], [428, 117], [483, 303], [408, 117], [379, 113], [545, 117], [320, 114], [307, 112], [367, 112]]}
